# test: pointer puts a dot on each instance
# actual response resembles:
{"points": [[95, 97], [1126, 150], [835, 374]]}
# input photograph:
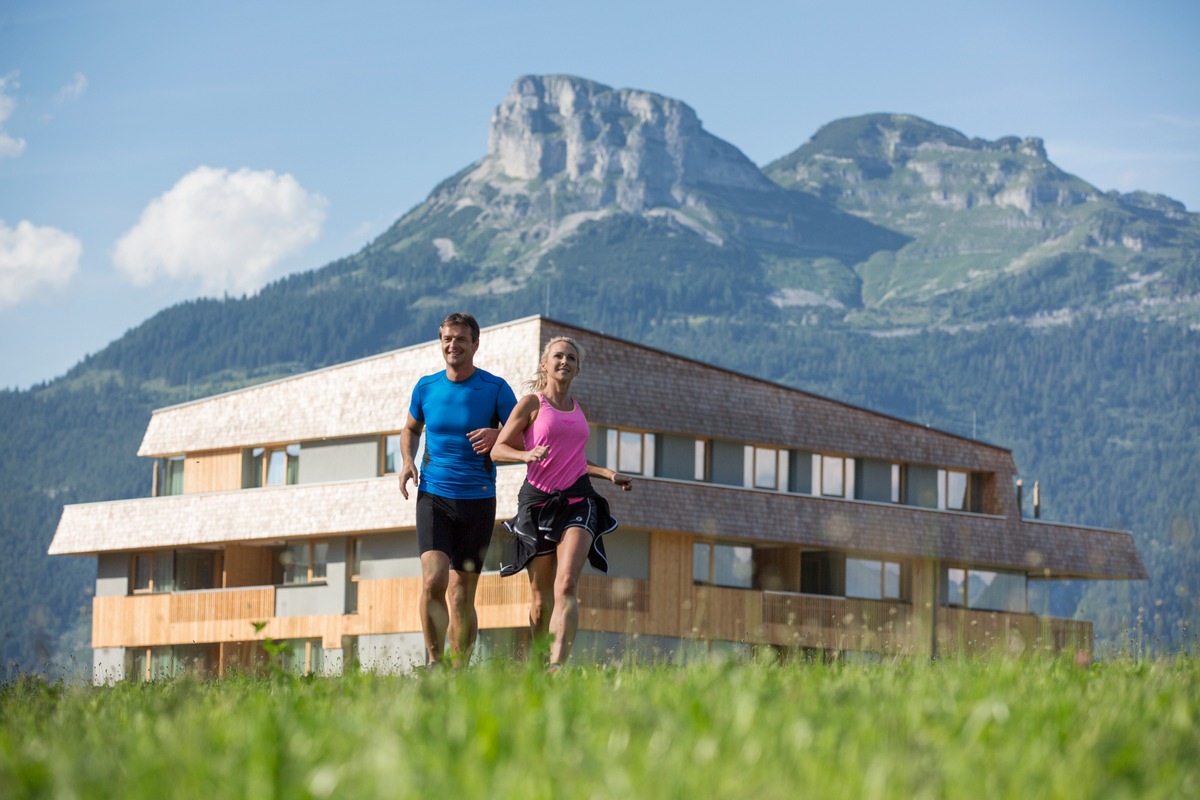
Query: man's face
{"points": [[457, 347]]}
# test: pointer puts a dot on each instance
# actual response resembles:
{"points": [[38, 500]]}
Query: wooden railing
{"points": [[618, 605], [987, 632], [837, 623], [216, 615]]}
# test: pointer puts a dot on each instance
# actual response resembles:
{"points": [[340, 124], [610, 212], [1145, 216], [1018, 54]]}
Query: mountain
{"points": [[995, 229], [888, 262]]}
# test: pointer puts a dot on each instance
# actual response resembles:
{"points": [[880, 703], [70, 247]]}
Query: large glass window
{"points": [[303, 562], [303, 657], [252, 467], [277, 466], [727, 464], [172, 476], [985, 589], [873, 579], [766, 468], [954, 490], [195, 569], [833, 476], [175, 571], [631, 452], [877, 481], [679, 457], [391, 454], [823, 572], [921, 486], [170, 661], [723, 564], [154, 572]]}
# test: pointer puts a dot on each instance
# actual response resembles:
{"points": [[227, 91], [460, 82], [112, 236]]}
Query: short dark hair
{"points": [[461, 318]]}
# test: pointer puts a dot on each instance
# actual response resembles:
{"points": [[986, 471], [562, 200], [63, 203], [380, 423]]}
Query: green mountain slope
{"points": [[891, 263], [996, 229]]}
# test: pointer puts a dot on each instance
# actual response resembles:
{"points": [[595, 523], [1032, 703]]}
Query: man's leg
{"points": [[435, 617], [464, 624]]}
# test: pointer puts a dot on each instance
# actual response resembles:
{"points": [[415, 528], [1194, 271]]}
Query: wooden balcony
{"points": [[617, 605], [961, 630]]}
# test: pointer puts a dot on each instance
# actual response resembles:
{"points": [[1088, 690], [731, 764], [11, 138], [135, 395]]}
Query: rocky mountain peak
{"points": [[649, 149], [922, 165]]}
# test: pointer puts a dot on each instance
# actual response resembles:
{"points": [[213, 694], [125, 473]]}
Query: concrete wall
{"points": [[339, 459], [390, 555], [313, 599], [112, 575], [108, 665], [628, 554], [391, 653]]}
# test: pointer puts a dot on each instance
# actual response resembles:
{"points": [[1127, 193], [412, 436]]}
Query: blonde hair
{"points": [[538, 381]]}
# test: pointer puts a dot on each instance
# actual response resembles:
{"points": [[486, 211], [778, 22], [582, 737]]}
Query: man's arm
{"points": [[410, 435]]}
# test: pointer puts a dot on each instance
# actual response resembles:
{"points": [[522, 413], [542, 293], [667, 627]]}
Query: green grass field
{"points": [[970, 728]]}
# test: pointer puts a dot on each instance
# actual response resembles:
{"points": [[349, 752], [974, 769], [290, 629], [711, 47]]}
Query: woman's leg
{"points": [[541, 585], [572, 553]]}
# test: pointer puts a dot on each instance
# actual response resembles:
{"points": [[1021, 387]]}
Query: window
{"points": [[391, 454], [877, 481], [172, 476], [303, 562], [959, 490], [195, 569], [631, 452], [823, 572], [679, 457], [770, 469], [355, 559], [800, 471], [873, 579], [723, 564], [952, 489], [727, 464], [175, 571], [276, 466], [170, 661], [154, 573], [252, 467], [985, 589], [921, 486], [833, 476], [303, 657]]}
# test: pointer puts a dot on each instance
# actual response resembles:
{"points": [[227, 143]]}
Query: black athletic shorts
{"points": [[462, 529], [579, 515]]}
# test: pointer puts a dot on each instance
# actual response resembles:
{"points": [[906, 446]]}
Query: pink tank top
{"points": [[565, 433]]}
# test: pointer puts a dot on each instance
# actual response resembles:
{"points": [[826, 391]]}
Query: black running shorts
{"points": [[462, 529]]}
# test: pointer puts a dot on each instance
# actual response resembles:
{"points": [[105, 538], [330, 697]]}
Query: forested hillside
{"points": [[963, 284]]}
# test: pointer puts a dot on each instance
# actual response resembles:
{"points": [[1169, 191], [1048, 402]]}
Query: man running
{"points": [[460, 410]]}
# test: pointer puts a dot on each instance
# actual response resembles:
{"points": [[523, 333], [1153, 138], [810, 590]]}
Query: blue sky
{"points": [[153, 152]]}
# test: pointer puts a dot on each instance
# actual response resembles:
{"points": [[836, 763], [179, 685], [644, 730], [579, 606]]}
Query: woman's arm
{"points": [[510, 444], [622, 480]]}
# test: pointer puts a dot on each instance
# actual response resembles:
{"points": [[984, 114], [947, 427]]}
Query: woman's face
{"points": [[561, 363]]}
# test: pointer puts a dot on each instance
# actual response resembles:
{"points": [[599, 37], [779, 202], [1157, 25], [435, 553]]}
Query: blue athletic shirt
{"points": [[450, 410]]}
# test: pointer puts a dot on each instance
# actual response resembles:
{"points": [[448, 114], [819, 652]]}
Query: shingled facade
{"points": [[763, 517]]}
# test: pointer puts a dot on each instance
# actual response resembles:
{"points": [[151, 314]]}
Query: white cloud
{"points": [[227, 230], [9, 147], [73, 90], [8, 103], [32, 256]]}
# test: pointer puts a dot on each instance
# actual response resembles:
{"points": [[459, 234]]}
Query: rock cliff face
{"points": [[871, 162], [644, 150], [885, 219], [566, 153]]}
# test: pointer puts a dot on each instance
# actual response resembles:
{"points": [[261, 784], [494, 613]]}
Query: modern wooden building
{"points": [[763, 517]]}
